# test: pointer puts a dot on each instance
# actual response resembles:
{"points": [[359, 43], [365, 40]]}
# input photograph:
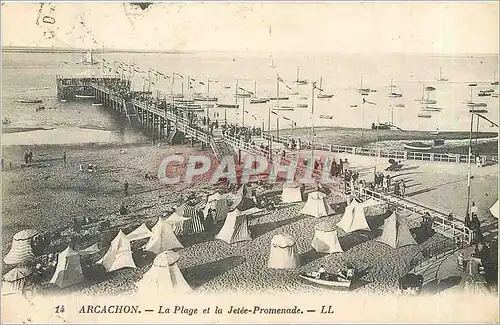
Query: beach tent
{"points": [[118, 255], [163, 238], [283, 253], [14, 281], [191, 222], [373, 207], [243, 199], [140, 232], [235, 228], [68, 270], [326, 239], [291, 193], [354, 218], [21, 250], [396, 232], [219, 204], [317, 206], [494, 210], [93, 249], [164, 276]]}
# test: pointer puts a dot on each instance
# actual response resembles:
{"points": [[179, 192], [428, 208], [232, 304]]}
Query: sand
{"points": [[47, 198]]}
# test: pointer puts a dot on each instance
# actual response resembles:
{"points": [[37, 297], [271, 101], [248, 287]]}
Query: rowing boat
{"points": [[332, 281], [30, 101], [418, 146]]}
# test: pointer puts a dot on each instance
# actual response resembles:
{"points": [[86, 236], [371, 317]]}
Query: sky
{"points": [[450, 28]]}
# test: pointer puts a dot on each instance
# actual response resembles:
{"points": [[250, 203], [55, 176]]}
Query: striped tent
{"points": [[235, 228], [14, 281], [21, 250], [219, 204]]}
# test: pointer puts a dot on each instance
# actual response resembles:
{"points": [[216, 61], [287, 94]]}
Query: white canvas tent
{"points": [[283, 253], [140, 232], [235, 228], [494, 210], [326, 239], [14, 281], [291, 193], [396, 232], [317, 205], [68, 270], [21, 250], [164, 276], [119, 254], [354, 218], [163, 238]]}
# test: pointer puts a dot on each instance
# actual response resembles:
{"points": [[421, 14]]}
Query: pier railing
{"points": [[394, 154]]}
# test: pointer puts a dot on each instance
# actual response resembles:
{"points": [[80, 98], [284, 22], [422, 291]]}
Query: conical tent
{"points": [[177, 222], [494, 209], [291, 193], [68, 270], [317, 206], [283, 253], [164, 276], [235, 228], [14, 281], [243, 199], [21, 250], [354, 218], [162, 238], [326, 239], [396, 232], [140, 232], [118, 255]]}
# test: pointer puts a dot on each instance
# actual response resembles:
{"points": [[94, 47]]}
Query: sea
{"points": [[33, 75]]}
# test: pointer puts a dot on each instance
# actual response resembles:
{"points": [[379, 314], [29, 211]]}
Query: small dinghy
{"points": [[30, 101], [418, 146], [331, 280], [96, 104], [84, 96]]}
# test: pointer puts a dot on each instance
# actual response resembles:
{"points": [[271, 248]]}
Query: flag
{"points": [[274, 112], [249, 92], [365, 101], [247, 112], [179, 75], [192, 79], [283, 81], [152, 83], [255, 117], [286, 118], [201, 83]]}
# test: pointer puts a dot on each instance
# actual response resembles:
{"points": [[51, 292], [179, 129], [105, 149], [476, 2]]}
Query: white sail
{"points": [[271, 62], [87, 58]]}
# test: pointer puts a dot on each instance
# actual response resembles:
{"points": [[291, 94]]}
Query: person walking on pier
{"points": [[125, 188]]}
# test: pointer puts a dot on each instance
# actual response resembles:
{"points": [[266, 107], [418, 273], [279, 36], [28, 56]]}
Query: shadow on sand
{"points": [[263, 228], [437, 286]]}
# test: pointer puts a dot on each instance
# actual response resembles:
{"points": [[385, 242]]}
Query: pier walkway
{"points": [[165, 120]]}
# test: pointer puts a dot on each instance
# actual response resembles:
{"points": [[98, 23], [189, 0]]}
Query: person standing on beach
{"points": [[64, 157], [402, 188], [125, 187]]}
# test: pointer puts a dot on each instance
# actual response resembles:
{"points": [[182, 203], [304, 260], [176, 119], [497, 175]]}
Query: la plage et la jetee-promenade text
{"points": [[238, 310]]}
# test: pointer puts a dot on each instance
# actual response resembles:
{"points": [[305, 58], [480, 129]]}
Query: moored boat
{"points": [[332, 280], [326, 117], [283, 108], [299, 81], [228, 105], [381, 126], [84, 96], [279, 98], [30, 101], [96, 104], [399, 105], [424, 115], [302, 105], [258, 100], [205, 99], [418, 146], [321, 96]]}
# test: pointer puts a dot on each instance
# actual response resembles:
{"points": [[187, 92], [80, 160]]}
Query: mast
{"points": [[243, 112], [312, 125], [172, 90], [208, 88], [361, 83], [255, 89], [278, 106], [321, 84], [297, 73]]}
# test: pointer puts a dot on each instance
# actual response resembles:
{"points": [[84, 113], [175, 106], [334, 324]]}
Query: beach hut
{"points": [[164, 276], [119, 254], [317, 205], [92, 249], [219, 204], [68, 270], [494, 210], [21, 250], [354, 218], [163, 238], [396, 232], [373, 207], [283, 253], [291, 193], [15, 280], [243, 199], [235, 228], [186, 221], [140, 232], [326, 239]]}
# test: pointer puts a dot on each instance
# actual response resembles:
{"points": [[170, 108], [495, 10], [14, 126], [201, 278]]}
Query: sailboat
{"points": [[88, 58], [271, 62], [298, 81], [393, 94], [494, 82], [361, 90], [441, 78], [427, 100], [207, 98], [321, 95], [255, 99]]}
